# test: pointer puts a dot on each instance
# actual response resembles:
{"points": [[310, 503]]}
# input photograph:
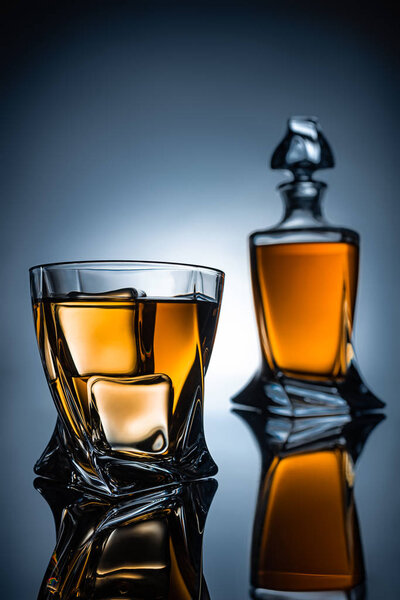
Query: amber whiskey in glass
{"points": [[112, 355], [304, 277]]}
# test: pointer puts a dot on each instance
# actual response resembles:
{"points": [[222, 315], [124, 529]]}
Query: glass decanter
{"points": [[304, 277]]}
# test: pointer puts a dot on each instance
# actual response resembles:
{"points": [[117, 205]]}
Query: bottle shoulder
{"points": [[297, 235]]}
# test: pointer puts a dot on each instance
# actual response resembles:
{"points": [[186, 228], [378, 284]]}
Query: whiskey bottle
{"points": [[304, 277]]}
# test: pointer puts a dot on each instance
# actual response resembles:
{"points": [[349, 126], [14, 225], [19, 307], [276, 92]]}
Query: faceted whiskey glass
{"points": [[125, 347]]}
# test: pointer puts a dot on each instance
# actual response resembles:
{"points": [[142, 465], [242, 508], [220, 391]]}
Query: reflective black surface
{"points": [[244, 448]]}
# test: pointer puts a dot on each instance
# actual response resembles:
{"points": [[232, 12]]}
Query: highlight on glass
{"points": [[125, 347]]}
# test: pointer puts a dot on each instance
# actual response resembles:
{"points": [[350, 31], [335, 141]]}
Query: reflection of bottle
{"points": [[306, 534], [304, 275], [148, 547]]}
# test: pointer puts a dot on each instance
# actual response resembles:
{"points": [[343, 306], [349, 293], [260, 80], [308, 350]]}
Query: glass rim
{"points": [[96, 264]]}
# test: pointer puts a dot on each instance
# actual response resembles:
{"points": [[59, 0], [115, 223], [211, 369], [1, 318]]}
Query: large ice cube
{"points": [[134, 412], [121, 294], [100, 333]]}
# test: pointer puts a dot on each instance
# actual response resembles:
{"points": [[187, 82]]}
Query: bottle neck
{"points": [[302, 201]]}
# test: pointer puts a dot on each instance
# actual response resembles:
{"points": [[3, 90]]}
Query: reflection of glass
{"points": [[304, 275], [125, 346], [306, 540], [146, 548]]}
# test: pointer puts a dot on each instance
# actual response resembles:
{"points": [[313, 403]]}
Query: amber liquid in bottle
{"points": [[124, 363], [305, 296], [307, 527]]}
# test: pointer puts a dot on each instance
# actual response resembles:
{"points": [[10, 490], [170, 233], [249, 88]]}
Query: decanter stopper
{"points": [[303, 150]]}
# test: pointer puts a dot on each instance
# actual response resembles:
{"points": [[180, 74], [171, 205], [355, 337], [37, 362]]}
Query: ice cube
{"points": [[134, 412], [121, 294], [99, 340]]}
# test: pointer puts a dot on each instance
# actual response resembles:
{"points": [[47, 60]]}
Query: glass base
{"points": [[281, 395], [110, 475], [357, 593]]}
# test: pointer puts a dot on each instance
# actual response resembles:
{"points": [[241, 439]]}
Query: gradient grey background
{"points": [[143, 131]]}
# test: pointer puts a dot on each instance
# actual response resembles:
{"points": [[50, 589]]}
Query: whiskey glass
{"points": [[125, 346]]}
